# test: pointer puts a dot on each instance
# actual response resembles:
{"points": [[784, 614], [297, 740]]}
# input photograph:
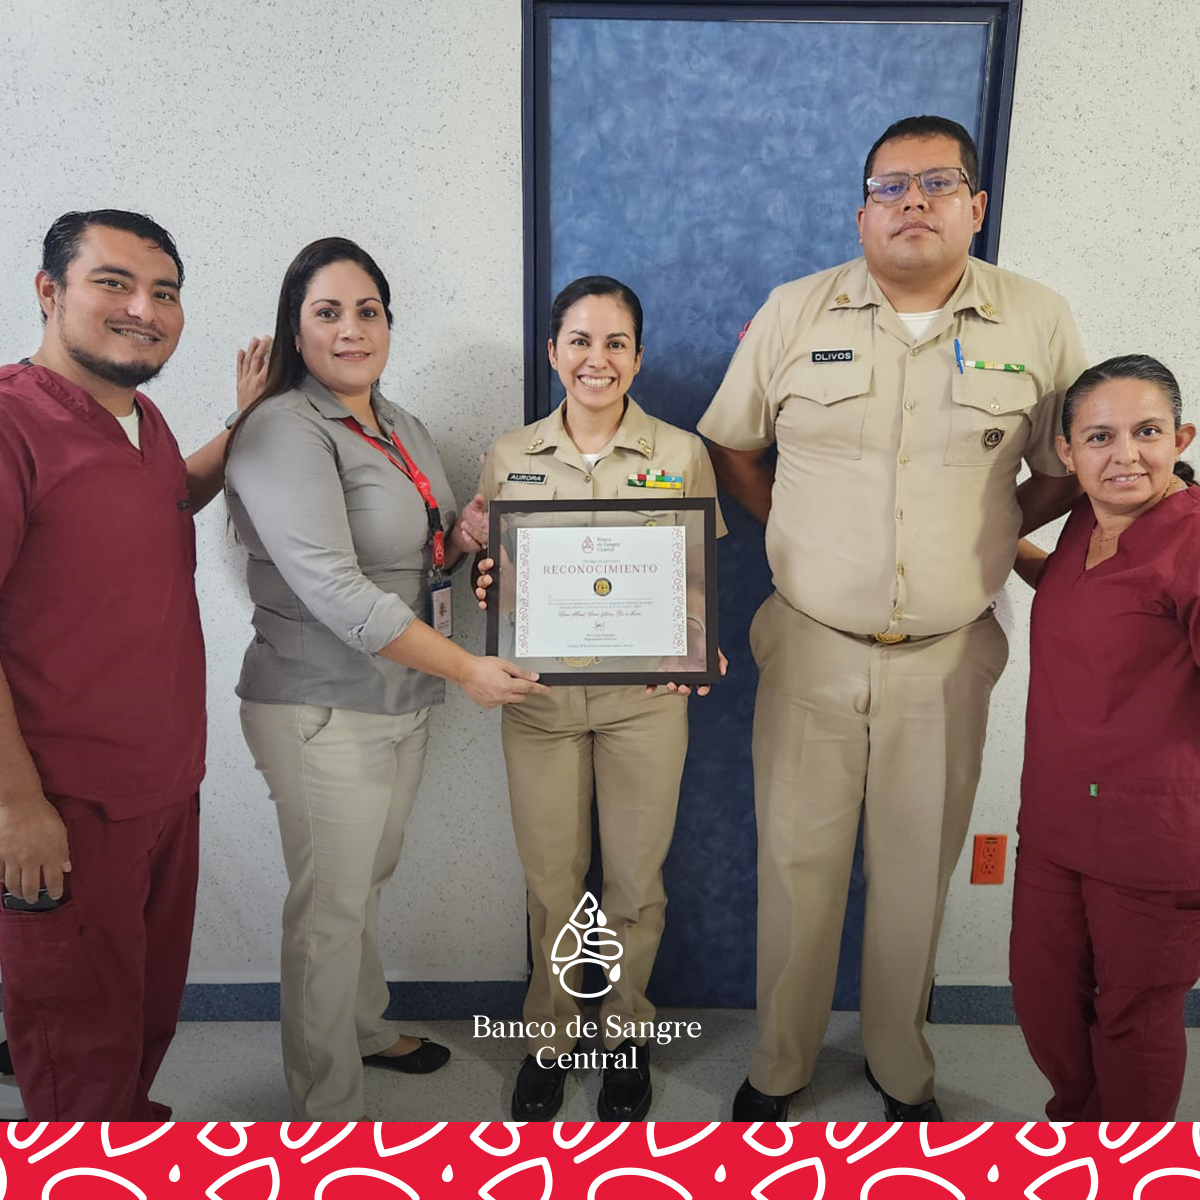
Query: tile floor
{"points": [[230, 1071]]}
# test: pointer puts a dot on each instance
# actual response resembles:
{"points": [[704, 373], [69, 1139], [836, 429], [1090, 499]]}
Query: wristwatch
{"points": [[233, 418]]}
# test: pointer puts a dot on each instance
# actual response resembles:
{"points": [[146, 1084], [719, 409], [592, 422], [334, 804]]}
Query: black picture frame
{"points": [[500, 511]]}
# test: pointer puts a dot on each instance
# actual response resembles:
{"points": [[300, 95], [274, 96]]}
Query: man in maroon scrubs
{"points": [[102, 719]]}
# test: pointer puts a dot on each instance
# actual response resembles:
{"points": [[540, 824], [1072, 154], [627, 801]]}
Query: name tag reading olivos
{"points": [[828, 356], [524, 477]]}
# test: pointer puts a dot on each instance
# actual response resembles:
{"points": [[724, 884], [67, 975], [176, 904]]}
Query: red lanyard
{"points": [[413, 472]]}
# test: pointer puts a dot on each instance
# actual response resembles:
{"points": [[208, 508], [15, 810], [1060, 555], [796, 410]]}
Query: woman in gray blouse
{"points": [[342, 503]]}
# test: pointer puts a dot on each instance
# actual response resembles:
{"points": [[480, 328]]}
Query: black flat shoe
{"points": [[625, 1092], [424, 1060], [538, 1094], [897, 1110], [752, 1105]]}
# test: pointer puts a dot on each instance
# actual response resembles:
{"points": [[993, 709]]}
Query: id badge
{"points": [[443, 608]]}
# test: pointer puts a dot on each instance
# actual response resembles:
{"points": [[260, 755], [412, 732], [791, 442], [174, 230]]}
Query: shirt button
{"points": [[897, 615], [899, 568], [908, 404], [899, 514], [994, 406], [913, 352], [587, 479], [904, 460]]}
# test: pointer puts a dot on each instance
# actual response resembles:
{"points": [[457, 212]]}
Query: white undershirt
{"points": [[918, 323], [131, 424], [591, 459]]}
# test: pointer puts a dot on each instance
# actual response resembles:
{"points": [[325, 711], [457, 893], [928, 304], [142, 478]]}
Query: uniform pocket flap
{"points": [[994, 392], [527, 491], [827, 383]]}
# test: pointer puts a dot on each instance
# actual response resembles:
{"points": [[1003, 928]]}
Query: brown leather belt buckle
{"points": [[890, 639]]}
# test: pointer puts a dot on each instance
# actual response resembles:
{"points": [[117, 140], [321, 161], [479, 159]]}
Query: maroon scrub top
{"points": [[99, 627], [1111, 785]]}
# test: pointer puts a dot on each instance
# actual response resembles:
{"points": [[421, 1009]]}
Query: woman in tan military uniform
{"points": [[628, 743]]}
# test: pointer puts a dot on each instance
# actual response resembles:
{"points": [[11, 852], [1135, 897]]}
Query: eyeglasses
{"points": [[934, 183]]}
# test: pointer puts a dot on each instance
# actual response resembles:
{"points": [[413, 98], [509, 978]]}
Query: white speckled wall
{"points": [[1099, 204], [250, 128]]}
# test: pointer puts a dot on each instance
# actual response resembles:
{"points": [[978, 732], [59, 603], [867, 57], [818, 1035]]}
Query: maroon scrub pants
{"points": [[1100, 974], [92, 989]]}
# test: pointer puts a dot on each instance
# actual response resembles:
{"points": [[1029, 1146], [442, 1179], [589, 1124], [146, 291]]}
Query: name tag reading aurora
{"points": [[605, 591], [524, 477]]}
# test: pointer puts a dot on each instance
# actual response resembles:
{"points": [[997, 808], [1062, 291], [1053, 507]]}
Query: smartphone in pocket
{"points": [[44, 902]]}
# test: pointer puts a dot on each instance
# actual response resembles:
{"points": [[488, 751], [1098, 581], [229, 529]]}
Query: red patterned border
{"points": [[496, 1161]]}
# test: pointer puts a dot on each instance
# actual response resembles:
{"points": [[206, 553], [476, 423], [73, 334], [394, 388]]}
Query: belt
{"points": [[886, 637]]}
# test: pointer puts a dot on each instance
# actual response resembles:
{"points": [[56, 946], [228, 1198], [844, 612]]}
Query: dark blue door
{"points": [[704, 161]]}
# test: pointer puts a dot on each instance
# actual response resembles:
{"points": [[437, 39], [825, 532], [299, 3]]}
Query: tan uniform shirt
{"points": [[540, 462], [894, 505]]}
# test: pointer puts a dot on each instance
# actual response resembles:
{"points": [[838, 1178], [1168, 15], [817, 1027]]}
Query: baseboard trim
{"points": [[963, 1004], [498, 999]]}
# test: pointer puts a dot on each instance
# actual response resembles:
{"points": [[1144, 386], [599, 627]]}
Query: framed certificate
{"points": [[605, 591]]}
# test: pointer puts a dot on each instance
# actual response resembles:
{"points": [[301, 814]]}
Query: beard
{"points": [[122, 374]]}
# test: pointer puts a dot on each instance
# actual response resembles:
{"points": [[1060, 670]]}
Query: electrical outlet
{"points": [[987, 863]]}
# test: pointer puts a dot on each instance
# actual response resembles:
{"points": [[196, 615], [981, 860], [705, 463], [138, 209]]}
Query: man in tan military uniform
{"points": [[627, 745], [892, 516]]}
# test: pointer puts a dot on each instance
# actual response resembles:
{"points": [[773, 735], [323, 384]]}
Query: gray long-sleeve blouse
{"points": [[339, 553]]}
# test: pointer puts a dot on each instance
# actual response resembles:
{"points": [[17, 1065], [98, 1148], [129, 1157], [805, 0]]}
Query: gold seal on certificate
{"points": [[605, 591]]}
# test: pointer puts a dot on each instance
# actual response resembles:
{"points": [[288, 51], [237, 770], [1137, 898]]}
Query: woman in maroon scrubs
{"points": [[1106, 908]]}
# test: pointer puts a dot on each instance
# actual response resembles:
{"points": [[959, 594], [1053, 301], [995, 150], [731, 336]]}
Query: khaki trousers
{"points": [[630, 747], [843, 726], [343, 784]]}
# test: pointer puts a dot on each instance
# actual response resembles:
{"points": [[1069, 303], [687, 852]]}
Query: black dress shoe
{"points": [[539, 1091], [897, 1110], [425, 1059], [752, 1105], [625, 1091]]}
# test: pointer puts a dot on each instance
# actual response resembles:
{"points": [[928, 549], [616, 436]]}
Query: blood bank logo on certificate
{"points": [[584, 939]]}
